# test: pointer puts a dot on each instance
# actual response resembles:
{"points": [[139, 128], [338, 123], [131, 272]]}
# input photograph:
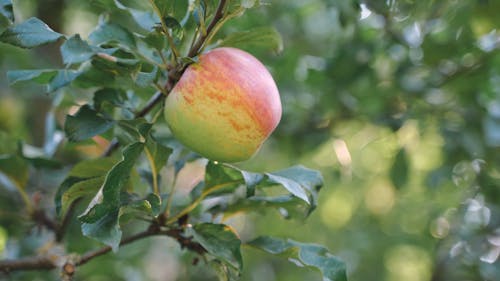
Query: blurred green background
{"points": [[397, 102]]}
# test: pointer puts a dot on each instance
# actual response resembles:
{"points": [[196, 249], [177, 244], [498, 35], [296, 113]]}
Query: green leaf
{"points": [[40, 76], [163, 6], [146, 79], [112, 33], [129, 131], [151, 205], [85, 178], [76, 188], [100, 220], [105, 229], [156, 40], [145, 19], [264, 37], [220, 241], [218, 174], [399, 170], [85, 124], [31, 33], [6, 13], [75, 50], [93, 76], [62, 78], [53, 78], [287, 205], [312, 255], [291, 185], [298, 180], [159, 153], [114, 97], [15, 168]]}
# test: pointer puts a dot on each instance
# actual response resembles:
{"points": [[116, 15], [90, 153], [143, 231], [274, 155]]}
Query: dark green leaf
{"points": [[112, 33], [133, 204], [6, 13], [156, 40], [31, 33], [331, 267], [15, 168], [220, 241], [158, 152], [85, 124], [93, 76], [114, 97], [171, 22], [105, 229], [264, 37], [85, 178], [100, 220], [75, 188], [399, 169], [135, 130]]}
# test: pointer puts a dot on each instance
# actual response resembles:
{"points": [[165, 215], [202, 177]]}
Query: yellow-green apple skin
{"points": [[224, 106]]}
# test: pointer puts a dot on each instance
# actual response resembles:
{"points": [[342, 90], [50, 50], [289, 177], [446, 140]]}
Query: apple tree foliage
{"points": [[113, 84]]}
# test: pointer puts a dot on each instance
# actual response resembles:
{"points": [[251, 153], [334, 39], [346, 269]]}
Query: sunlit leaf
{"points": [[30, 33], [220, 241], [85, 124]]}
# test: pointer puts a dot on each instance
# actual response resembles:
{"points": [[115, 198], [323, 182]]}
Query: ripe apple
{"points": [[224, 106]]}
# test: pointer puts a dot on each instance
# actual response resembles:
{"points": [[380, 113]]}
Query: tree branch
{"points": [[32, 263], [46, 263]]}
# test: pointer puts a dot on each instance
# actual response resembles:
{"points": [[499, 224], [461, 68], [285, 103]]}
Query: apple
{"points": [[224, 106]]}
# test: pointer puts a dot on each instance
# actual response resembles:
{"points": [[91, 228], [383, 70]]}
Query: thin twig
{"points": [[46, 263]]}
